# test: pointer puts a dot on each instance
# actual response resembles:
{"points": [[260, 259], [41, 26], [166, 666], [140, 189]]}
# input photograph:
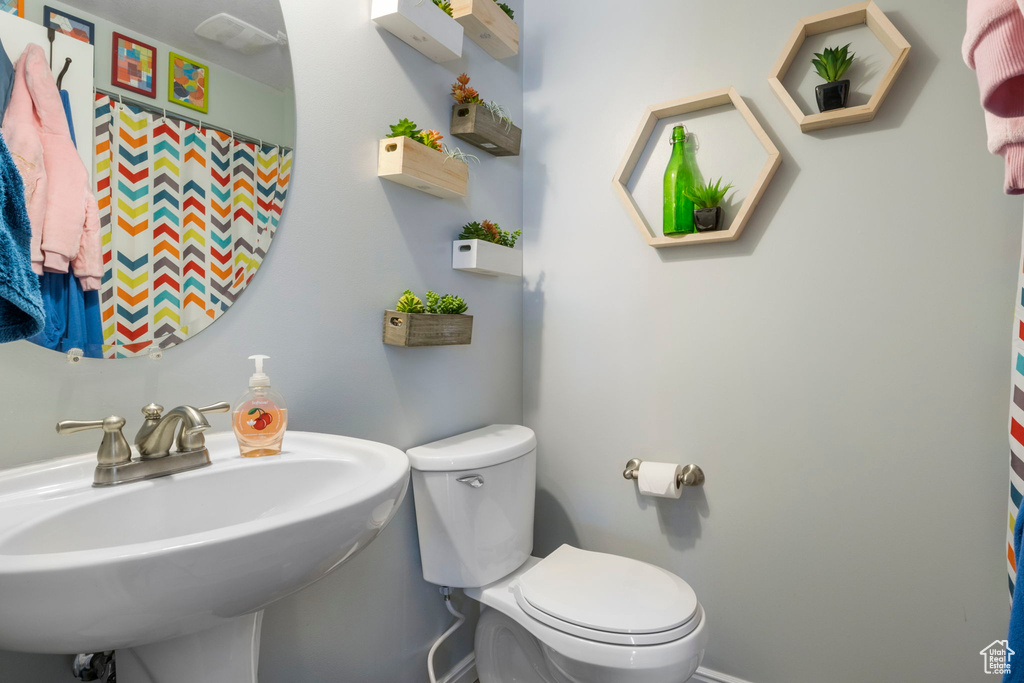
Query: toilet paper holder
{"points": [[692, 475]]}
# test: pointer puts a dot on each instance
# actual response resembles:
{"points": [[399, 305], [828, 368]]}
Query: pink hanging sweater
{"points": [[994, 47], [61, 206]]}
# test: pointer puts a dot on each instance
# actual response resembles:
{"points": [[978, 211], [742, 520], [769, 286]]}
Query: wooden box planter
{"points": [[422, 25], [486, 258], [427, 329], [475, 124], [488, 26], [408, 162]]}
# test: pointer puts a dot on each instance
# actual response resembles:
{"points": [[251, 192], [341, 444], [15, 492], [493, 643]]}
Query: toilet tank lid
{"points": [[484, 447]]}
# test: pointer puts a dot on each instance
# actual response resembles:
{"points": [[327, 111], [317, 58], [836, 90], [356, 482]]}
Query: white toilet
{"points": [[572, 617]]}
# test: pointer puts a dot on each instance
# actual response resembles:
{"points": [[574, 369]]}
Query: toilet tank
{"points": [[474, 496]]}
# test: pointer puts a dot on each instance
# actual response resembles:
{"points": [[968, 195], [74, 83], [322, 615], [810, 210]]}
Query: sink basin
{"points": [[85, 569]]}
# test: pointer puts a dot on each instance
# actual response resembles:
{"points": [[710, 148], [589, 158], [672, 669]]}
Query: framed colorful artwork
{"points": [[133, 65], [13, 7], [69, 24], [188, 83]]}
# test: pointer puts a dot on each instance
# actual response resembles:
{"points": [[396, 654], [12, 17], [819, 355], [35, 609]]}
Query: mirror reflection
{"points": [[154, 142]]}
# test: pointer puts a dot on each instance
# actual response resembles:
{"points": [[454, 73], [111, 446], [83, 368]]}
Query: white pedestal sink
{"points": [[173, 573]]}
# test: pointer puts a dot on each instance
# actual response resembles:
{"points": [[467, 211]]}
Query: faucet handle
{"points": [[114, 449], [153, 411], [221, 407]]}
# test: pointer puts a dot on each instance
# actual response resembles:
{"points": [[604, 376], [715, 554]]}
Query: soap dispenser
{"points": [[260, 416]]}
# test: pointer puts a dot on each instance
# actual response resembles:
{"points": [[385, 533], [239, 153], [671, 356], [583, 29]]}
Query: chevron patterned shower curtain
{"points": [[1016, 425], [187, 216]]}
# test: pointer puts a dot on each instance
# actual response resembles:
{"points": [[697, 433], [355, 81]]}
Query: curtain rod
{"points": [[153, 109]]}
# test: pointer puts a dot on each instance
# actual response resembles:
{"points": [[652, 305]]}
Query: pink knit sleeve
{"points": [[88, 264], [994, 46]]}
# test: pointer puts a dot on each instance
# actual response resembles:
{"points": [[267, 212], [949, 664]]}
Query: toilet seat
{"points": [[607, 598]]}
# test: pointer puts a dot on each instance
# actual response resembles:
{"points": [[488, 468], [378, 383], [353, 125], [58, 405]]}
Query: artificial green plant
{"points": [[444, 5], [706, 195], [833, 62], [406, 128], [438, 304], [489, 232], [409, 303], [431, 138], [464, 93]]}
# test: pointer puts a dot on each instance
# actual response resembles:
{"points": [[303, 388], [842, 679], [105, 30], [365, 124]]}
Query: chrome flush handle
{"points": [[474, 480]]}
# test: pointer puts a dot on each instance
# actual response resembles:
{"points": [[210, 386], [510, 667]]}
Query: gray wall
{"points": [[349, 245], [841, 372]]}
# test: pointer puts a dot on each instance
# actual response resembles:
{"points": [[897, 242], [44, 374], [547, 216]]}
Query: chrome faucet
{"points": [[115, 464], [157, 433]]}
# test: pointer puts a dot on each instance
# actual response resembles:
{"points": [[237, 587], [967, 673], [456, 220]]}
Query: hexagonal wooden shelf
{"points": [[833, 20], [686, 105]]}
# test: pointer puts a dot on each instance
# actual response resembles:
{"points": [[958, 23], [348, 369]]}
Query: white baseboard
{"points": [[463, 672], [708, 676]]}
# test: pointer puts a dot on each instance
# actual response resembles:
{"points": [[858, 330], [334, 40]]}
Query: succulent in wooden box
{"points": [[440, 322], [464, 93], [437, 304], [430, 138], [486, 124]]}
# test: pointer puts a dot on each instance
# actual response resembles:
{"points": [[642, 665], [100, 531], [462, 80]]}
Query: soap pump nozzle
{"points": [[259, 378]]}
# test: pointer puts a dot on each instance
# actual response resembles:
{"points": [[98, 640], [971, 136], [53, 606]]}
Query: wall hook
{"points": [[67, 65]]}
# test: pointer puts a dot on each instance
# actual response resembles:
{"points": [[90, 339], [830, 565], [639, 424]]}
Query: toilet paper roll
{"points": [[659, 479]]}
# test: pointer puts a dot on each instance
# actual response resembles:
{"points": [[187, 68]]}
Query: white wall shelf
{"points": [[486, 258], [422, 25]]}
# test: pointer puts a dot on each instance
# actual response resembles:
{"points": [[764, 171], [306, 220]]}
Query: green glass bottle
{"points": [[678, 176]]}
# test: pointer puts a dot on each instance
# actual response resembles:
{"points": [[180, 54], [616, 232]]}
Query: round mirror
{"points": [[182, 115]]}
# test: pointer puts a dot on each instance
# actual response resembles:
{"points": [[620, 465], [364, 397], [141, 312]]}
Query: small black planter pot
{"points": [[706, 220], [832, 95]]}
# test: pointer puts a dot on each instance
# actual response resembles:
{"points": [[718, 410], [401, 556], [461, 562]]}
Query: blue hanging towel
{"points": [[72, 315], [6, 80], [21, 305]]}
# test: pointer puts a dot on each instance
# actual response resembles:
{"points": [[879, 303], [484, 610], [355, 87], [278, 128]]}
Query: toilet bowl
{"points": [[513, 646], [574, 616]]}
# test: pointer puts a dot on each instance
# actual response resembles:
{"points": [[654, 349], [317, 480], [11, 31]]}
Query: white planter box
{"points": [[486, 258], [423, 25]]}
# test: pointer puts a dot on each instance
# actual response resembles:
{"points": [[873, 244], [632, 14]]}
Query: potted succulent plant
{"points": [[831, 65], [439, 322], [707, 200], [416, 158], [489, 231], [486, 249], [488, 125]]}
